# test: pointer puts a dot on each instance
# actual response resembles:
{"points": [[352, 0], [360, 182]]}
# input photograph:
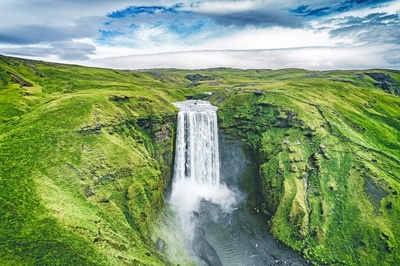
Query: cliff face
{"points": [[329, 167], [86, 153]]}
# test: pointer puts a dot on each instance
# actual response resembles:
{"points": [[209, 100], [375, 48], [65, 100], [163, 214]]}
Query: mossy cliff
{"points": [[329, 171], [86, 153]]}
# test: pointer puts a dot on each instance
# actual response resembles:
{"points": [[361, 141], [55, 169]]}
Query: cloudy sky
{"points": [[312, 34]]}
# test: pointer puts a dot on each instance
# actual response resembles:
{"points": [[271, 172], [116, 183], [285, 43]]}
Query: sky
{"points": [[268, 34]]}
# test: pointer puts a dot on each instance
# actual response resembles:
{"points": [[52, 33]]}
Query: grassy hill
{"points": [[86, 153], [82, 152]]}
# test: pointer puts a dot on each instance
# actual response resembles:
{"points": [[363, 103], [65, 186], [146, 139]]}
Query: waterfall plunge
{"points": [[197, 155], [197, 165]]}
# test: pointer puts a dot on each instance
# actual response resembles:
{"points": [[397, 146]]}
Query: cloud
{"points": [[375, 28], [38, 28], [318, 58], [392, 56], [71, 50], [187, 24], [134, 11], [31, 34], [67, 50], [312, 9], [259, 14], [201, 24], [270, 38], [60, 12], [151, 26], [261, 18]]}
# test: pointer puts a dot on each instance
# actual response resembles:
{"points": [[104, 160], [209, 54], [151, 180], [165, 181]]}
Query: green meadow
{"points": [[86, 155]]}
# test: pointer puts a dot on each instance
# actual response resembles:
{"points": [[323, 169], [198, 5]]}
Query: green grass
{"points": [[86, 153]]}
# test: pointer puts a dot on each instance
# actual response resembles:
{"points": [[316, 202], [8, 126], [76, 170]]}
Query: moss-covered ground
{"points": [[86, 153]]}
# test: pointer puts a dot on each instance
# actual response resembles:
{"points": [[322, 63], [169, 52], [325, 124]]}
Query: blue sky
{"points": [[313, 34]]}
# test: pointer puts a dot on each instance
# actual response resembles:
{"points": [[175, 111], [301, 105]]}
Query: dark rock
{"points": [[204, 250], [95, 129], [375, 192], [198, 77], [197, 96], [282, 123], [192, 85], [385, 82], [117, 98], [89, 191], [17, 79], [160, 245], [311, 133], [385, 236], [164, 134], [360, 76], [104, 199]]}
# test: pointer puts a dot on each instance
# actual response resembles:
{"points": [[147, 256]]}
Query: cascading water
{"points": [[217, 226], [197, 165], [197, 172], [197, 154]]}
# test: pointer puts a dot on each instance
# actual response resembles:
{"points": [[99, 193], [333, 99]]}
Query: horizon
{"points": [[198, 69], [247, 34]]}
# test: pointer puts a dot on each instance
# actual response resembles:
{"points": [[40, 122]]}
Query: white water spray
{"points": [[197, 165]]}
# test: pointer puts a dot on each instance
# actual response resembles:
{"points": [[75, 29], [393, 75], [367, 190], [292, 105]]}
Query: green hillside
{"points": [[86, 154]]}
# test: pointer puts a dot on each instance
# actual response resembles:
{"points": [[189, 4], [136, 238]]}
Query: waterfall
{"points": [[197, 154], [197, 166]]}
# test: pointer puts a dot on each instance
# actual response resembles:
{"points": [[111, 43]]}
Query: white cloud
{"points": [[65, 50], [309, 58], [272, 38], [56, 13], [223, 7]]}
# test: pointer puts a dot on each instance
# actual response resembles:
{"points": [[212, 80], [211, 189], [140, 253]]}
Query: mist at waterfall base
{"points": [[209, 195]]}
